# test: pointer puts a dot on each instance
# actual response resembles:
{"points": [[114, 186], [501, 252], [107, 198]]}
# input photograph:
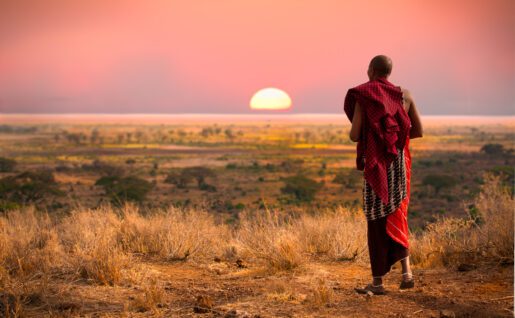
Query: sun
{"points": [[270, 98]]}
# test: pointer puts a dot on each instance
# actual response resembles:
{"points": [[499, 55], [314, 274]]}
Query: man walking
{"points": [[384, 118]]}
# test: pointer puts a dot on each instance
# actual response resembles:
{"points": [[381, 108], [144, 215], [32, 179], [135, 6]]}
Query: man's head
{"points": [[380, 66]]}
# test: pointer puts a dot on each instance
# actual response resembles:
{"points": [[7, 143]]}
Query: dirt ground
{"points": [[317, 289]]}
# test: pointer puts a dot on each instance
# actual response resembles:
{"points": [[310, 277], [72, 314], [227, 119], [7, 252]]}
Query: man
{"points": [[384, 118]]}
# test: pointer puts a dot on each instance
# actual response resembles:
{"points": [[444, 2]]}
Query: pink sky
{"points": [[192, 56]]}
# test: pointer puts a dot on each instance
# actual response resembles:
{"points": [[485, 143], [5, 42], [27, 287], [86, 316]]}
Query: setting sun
{"points": [[270, 99]]}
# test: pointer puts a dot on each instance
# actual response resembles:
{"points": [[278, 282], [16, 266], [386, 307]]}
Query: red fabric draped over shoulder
{"points": [[386, 127]]}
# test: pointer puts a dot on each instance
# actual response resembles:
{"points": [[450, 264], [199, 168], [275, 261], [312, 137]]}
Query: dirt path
{"points": [[318, 289]]}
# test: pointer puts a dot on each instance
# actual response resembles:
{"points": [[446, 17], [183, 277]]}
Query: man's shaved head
{"points": [[380, 66]]}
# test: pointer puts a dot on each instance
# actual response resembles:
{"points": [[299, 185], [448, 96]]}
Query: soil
{"points": [[316, 289]]}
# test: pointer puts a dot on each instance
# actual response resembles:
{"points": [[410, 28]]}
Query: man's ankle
{"points": [[407, 276]]}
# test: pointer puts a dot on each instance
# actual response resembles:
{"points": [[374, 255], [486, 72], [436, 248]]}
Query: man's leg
{"points": [[406, 269]]}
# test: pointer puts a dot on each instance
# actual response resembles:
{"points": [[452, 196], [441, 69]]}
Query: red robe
{"points": [[386, 127]]}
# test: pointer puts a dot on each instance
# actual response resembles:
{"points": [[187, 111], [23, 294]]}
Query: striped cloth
{"points": [[373, 206]]}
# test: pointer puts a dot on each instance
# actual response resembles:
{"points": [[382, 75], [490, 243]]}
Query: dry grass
{"points": [[172, 234], [271, 238], [452, 241], [285, 243], [339, 234], [496, 211], [151, 297], [99, 246], [321, 294]]}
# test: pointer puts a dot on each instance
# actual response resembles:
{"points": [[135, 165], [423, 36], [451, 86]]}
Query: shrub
{"points": [[439, 182], [301, 187], [493, 149], [103, 168], [486, 236], [28, 187], [349, 179], [121, 189], [7, 165], [198, 173]]}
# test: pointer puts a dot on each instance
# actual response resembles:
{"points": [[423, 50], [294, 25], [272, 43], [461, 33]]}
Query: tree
{"points": [[198, 173], [28, 187], [121, 189], [301, 187], [493, 149], [229, 134], [439, 182]]}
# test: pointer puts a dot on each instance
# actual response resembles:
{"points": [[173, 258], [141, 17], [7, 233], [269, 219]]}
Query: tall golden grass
{"points": [[486, 237], [99, 246]]}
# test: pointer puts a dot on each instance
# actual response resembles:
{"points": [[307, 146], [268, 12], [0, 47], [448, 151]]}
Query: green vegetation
{"points": [[493, 149], [29, 187], [122, 189], [7, 165], [301, 187], [439, 182]]}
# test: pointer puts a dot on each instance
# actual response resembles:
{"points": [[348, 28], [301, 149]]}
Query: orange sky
{"points": [[166, 56]]}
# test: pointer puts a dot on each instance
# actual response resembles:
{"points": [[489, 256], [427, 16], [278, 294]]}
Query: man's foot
{"points": [[376, 290], [407, 281]]}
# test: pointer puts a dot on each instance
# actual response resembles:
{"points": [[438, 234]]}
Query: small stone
{"points": [[233, 313], [217, 259], [447, 314]]}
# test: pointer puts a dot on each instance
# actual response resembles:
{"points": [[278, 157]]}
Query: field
{"points": [[198, 215]]}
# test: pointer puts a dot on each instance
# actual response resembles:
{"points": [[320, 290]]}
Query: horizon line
{"points": [[231, 114]]}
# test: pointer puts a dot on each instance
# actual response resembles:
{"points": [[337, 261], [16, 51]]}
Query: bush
{"points": [[348, 179], [439, 182], [7, 165], [103, 168], [121, 189], [493, 149], [486, 236], [198, 173], [301, 187], [28, 187]]}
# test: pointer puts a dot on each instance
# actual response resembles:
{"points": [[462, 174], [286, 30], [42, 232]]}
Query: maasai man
{"points": [[384, 118]]}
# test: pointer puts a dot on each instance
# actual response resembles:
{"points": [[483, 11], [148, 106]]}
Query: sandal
{"points": [[408, 283], [376, 290]]}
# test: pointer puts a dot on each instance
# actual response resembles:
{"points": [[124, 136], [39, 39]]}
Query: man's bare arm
{"points": [[416, 123], [357, 120]]}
